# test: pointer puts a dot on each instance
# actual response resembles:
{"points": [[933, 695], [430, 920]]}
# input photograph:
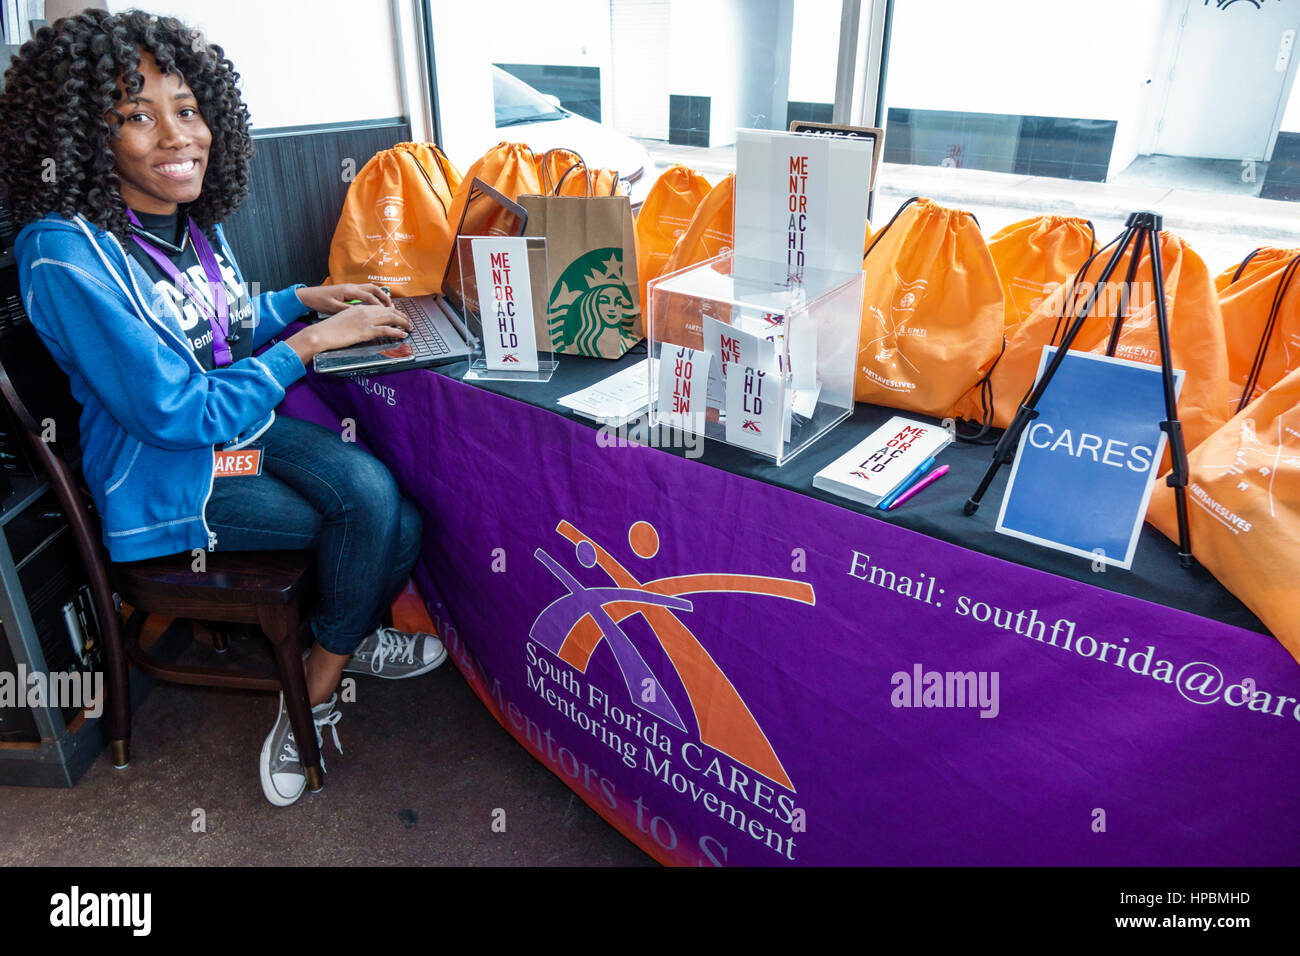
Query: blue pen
{"points": [[910, 480]]}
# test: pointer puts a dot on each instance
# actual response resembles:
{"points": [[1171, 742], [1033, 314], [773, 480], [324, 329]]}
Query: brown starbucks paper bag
{"points": [[594, 303]]}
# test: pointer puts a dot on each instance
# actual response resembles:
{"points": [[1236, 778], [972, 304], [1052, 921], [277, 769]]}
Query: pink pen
{"points": [[929, 479]]}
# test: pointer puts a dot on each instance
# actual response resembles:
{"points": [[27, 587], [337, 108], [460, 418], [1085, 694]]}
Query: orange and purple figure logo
{"points": [[572, 626]]}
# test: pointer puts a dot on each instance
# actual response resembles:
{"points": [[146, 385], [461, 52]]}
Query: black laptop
{"points": [[439, 333]]}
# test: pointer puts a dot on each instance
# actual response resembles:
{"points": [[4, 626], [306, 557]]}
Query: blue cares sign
{"points": [[1086, 465]]}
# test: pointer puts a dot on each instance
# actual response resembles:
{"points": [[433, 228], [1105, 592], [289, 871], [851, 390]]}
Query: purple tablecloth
{"points": [[733, 673]]}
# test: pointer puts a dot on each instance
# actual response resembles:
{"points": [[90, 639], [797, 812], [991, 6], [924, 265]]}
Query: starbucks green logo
{"points": [[591, 300]]}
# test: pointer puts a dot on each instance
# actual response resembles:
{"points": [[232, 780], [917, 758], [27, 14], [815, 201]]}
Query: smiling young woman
{"points": [[124, 143], [161, 147]]}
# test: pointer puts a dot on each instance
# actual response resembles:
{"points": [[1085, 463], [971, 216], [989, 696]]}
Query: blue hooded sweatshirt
{"points": [[150, 414]]}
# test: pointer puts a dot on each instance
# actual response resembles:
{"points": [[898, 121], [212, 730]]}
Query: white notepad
{"points": [[875, 466], [614, 400]]}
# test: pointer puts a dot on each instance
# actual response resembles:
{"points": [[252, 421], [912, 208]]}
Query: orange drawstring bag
{"points": [[560, 177], [1261, 322], [1033, 257], [664, 218], [1195, 333], [710, 230], [395, 228], [1036, 255], [511, 169], [708, 234], [931, 310], [1243, 507], [1262, 259]]}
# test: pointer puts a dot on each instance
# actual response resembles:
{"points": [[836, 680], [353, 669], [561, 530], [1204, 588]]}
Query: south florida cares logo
{"points": [[572, 626]]}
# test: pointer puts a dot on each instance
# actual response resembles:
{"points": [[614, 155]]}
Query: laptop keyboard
{"points": [[424, 338]]}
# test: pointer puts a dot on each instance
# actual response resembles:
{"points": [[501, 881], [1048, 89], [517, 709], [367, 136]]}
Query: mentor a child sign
{"points": [[683, 374], [801, 200], [505, 303], [1085, 468]]}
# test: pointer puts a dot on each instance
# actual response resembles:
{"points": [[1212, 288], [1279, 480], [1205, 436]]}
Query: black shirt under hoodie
{"points": [[193, 321]]}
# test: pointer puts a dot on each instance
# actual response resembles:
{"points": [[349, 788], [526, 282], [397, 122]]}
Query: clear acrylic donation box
{"points": [[751, 356]]}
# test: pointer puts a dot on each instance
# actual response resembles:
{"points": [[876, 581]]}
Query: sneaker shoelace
{"points": [[393, 645], [289, 752], [330, 720]]}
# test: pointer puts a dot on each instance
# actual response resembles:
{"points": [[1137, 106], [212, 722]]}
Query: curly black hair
{"points": [[54, 135]]}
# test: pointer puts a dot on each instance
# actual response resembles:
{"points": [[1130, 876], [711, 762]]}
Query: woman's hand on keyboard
{"points": [[331, 299], [352, 326]]}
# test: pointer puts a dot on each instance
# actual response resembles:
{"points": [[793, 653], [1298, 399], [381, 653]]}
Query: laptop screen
{"points": [[487, 213]]}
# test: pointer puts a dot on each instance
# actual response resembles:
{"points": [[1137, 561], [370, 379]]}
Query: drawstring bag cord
{"points": [[1284, 283], [982, 436]]}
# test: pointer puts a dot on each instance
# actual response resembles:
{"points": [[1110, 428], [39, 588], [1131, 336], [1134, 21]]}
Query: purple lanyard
{"points": [[219, 312]]}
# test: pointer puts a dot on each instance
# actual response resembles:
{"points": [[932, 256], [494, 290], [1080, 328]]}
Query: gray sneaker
{"points": [[283, 779], [395, 654]]}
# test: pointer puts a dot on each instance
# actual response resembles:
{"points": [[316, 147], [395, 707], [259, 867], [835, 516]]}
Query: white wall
{"points": [[301, 62], [638, 39], [815, 50], [1135, 81], [718, 49], [1086, 60], [572, 33], [465, 104], [1291, 115], [700, 48], [701, 60]]}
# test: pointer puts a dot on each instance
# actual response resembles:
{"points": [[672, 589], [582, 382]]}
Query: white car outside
{"points": [[524, 115]]}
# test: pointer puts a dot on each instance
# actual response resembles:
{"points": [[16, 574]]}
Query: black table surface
{"points": [[1156, 575]]}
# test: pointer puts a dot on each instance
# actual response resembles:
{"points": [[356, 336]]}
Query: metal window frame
{"points": [[418, 81], [430, 70], [863, 62]]}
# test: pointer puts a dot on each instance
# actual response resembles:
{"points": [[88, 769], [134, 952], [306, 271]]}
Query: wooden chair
{"points": [[270, 589]]}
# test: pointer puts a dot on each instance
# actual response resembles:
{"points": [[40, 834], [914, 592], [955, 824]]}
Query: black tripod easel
{"points": [[1142, 228]]}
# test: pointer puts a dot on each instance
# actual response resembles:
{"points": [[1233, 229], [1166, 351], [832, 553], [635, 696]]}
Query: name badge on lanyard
{"points": [[237, 463], [218, 312]]}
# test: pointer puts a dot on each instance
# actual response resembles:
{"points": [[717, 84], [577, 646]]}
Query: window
{"points": [[634, 85], [1015, 108]]}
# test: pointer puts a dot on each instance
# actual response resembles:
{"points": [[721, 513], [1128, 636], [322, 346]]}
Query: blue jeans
{"points": [[319, 493]]}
